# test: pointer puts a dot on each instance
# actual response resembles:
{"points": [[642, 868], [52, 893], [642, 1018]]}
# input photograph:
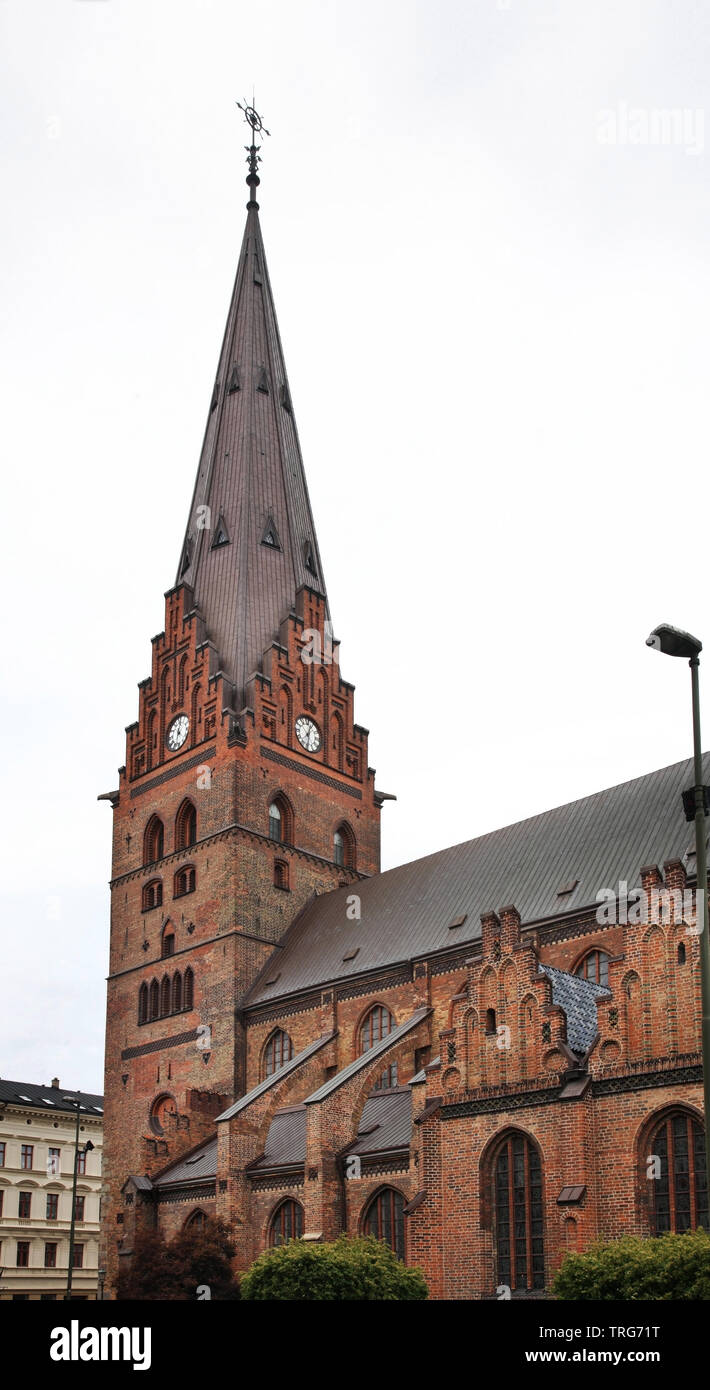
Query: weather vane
{"points": [[253, 119]]}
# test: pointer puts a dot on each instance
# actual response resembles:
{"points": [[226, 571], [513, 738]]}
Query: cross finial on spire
{"points": [[254, 120]]}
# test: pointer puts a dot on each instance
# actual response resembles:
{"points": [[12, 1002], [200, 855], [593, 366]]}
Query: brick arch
{"points": [[409, 1043], [195, 711], [632, 1002], [487, 1165], [153, 840], [641, 1152], [275, 1033], [284, 716], [345, 830], [472, 1046], [337, 752], [367, 1009], [588, 948], [186, 825], [369, 1202], [528, 1034], [283, 1198], [655, 992], [279, 797], [197, 1217]]}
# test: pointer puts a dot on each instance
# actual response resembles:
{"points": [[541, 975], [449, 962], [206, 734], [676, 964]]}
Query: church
{"points": [[487, 1057]]}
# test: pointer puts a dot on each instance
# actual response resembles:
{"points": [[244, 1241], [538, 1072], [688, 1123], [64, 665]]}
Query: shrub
{"points": [[167, 1270], [668, 1267], [343, 1269]]}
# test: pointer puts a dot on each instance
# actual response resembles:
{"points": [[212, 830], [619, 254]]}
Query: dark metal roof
{"points": [[49, 1097], [366, 1059], [251, 477], [286, 1141], [578, 999], [405, 912], [275, 1077], [197, 1166], [385, 1123]]}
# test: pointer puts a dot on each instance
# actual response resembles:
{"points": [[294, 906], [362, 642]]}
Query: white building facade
{"points": [[38, 1150]]}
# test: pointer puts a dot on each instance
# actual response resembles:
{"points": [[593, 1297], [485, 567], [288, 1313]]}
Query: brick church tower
{"points": [[246, 788]]}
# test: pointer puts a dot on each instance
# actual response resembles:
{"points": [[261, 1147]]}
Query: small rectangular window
{"points": [[50, 1255], [79, 1209], [26, 1153], [78, 1261], [2, 1154], [23, 1254], [24, 1206], [52, 1205], [81, 1161]]}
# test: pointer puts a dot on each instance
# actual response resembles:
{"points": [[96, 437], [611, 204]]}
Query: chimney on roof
{"points": [[55, 1083]]}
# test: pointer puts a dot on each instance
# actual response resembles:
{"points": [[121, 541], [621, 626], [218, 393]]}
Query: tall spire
{"points": [[250, 542]]}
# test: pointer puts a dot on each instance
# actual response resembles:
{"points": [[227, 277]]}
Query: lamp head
{"points": [[672, 641]]}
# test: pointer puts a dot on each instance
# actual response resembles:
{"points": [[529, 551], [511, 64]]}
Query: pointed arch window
{"points": [[177, 992], [165, 996], [518, 1215], [278, 1051], [280, 821], [344, 847], [185, 880], [188, 989], [154, 999], [221, 535], [153, 840], [310, 559], [270, 535], [186, 826], [286, 1223], [152, 895], [679, 1194], [378, 1024], [195, 1221], [143, 1004], [384, 1219], [595, 968]]}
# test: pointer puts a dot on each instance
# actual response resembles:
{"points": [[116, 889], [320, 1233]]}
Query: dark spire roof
{"points": [[250, 541]]}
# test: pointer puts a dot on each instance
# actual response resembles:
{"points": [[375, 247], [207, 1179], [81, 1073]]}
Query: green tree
{"points": [[669, 1267], [343, 1269]]}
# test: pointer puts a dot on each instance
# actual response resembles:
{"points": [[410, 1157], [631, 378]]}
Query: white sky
{"points": [[495, 327]]}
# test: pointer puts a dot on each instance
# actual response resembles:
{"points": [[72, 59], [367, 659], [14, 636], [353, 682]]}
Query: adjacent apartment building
{"points": [[38, 1150]]}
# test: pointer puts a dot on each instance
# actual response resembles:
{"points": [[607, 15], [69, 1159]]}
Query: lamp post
{"points": [[74, 1100], [673, 642]]}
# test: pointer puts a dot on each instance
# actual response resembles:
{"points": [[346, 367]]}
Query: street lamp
{"points": [[74, 1100], [673, 642]]}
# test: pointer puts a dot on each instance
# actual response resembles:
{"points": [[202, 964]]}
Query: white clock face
{"points": [[177, 733], [308, 734]]}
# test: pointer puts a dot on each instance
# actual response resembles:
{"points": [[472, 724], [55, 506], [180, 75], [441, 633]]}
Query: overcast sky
{"points": [[489, 256]]}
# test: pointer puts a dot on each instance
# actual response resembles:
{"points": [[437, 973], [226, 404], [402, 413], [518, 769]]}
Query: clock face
{"points": [[177, 733], [308, 734]]}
